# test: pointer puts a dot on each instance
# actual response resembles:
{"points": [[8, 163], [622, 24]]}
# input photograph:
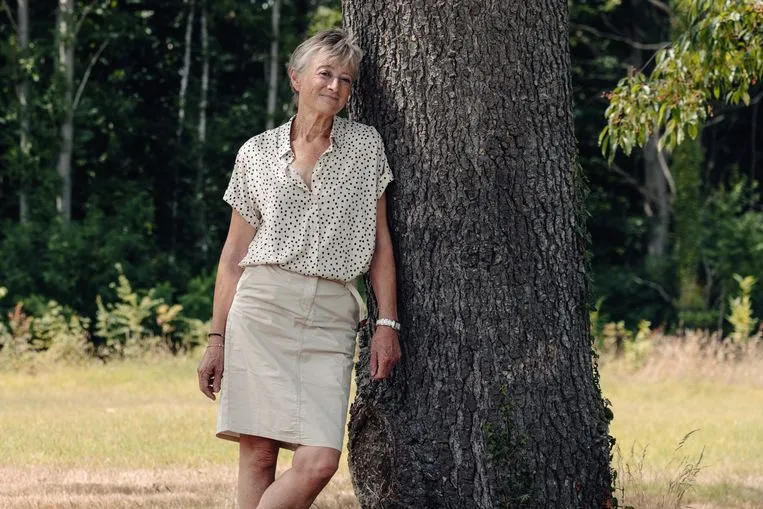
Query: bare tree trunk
{"points": [[496, 402], [202, 132], [186, 71], [656, 184], [66, 43], [22, 20], [185, 74], [273, 73]]}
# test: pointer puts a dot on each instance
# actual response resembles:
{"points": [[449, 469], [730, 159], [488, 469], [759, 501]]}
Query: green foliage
{"points": [[324, 18], [123, 325], [686, 169], [594, 318], [507, 451], [615, 340], [141, 322], [65, 338], [741, 315], [17, 345], [731, 239], [718, 57], [198, 298]]}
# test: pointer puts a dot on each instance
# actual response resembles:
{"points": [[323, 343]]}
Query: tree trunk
{"points": [[25, 146], [185, 73], [202, 131], [657, 187], [66, 38], [496, 402], [274, 71]]}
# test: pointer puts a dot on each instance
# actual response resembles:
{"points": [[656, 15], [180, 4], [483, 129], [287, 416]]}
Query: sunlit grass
{"points": [[655, 408], [140, 434], [102, 435]]}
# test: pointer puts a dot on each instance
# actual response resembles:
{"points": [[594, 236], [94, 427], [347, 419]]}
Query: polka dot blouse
{"points": [[326, 230]]}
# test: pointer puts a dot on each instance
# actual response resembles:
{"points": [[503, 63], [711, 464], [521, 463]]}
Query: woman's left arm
{"points": [[385, 347]]}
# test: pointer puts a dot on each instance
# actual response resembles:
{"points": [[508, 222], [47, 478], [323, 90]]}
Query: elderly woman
{"points": [[309, 217]]}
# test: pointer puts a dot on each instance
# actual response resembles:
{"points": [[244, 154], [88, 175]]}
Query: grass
{"points": [[139, 434], [678, 391], [132, 434]]}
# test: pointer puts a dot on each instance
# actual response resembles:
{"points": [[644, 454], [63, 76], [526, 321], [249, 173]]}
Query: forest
{"points": [[121, 120]]}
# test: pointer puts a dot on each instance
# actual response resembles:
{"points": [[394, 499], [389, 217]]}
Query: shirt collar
{"points": [[338, 129]]}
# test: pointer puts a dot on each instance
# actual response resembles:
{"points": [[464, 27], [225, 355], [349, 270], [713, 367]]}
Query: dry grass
{"points": [[132, 434], [164, 488], [140, 435], [687, 384]]}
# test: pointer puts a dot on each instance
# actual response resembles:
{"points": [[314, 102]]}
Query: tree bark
{"points": [[496, 401], [274, 72], [25, 146], [66, 38]]}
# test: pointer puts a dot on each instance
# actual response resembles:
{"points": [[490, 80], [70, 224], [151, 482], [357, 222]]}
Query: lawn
{"points": [[140, 435]]}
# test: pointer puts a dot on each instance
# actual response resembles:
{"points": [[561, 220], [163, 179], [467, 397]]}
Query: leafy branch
{"points": [[719, 57]]}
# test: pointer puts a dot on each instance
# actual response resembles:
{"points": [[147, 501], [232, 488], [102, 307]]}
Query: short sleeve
{"points": [[239, 195], [383, 171]]}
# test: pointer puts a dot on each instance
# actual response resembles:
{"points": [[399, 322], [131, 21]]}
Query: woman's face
{"points": [[324, 86]]}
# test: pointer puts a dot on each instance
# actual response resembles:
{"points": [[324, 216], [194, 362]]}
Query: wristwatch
{"points": [[389, 322]]}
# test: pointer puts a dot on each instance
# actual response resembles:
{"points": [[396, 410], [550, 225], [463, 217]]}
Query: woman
{"points": [[309, 217]]}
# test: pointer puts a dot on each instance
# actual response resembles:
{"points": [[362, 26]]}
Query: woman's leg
{"points": [[256, 469], [311, 469]]}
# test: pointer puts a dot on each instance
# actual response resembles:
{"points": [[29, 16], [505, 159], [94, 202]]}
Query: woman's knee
{"points": [[317, 465], [258, 453]]}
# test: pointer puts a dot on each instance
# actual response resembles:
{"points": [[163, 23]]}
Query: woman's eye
{"points": [[325, 73], [347, 80]]}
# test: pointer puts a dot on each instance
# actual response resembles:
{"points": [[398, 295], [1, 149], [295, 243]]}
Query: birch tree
{"points": [[25, 144], [65, 42], [202, 129]]}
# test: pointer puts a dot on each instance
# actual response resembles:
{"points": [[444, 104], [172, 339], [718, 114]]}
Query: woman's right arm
{"points": [[240, 234]]}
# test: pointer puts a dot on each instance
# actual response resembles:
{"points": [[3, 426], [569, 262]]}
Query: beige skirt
{"points": [[289, 346]]}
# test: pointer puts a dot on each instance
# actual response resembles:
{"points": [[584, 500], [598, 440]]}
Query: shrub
{"points": [[65, 338], [123, 325], [17, 347], [741, 315]]}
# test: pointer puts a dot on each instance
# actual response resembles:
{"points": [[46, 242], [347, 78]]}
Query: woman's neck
{"points": [[311, 126]]}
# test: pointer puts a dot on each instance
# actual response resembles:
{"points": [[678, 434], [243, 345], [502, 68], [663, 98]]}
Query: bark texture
{"points": [[496, 402]]}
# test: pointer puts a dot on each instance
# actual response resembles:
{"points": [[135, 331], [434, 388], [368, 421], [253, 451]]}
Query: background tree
{"points": [[496, 402]]}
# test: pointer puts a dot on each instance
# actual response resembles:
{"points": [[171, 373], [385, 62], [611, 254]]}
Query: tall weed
{"points": [[636, 491], [741, 314]]}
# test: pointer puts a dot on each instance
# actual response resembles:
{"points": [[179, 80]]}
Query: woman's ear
{"points": [[294, 80]]}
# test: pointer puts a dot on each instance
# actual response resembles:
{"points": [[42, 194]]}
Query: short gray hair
{"points": [[335, 43]]}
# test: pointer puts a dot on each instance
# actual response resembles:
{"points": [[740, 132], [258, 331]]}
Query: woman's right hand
{"points": [[210, 371]]}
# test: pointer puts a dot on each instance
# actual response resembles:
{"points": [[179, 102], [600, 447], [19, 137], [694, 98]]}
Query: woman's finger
{"points": [[204, 384], [218, 380]]}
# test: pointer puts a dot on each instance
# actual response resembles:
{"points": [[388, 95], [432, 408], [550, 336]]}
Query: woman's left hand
{"points": [[385, 352]]}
